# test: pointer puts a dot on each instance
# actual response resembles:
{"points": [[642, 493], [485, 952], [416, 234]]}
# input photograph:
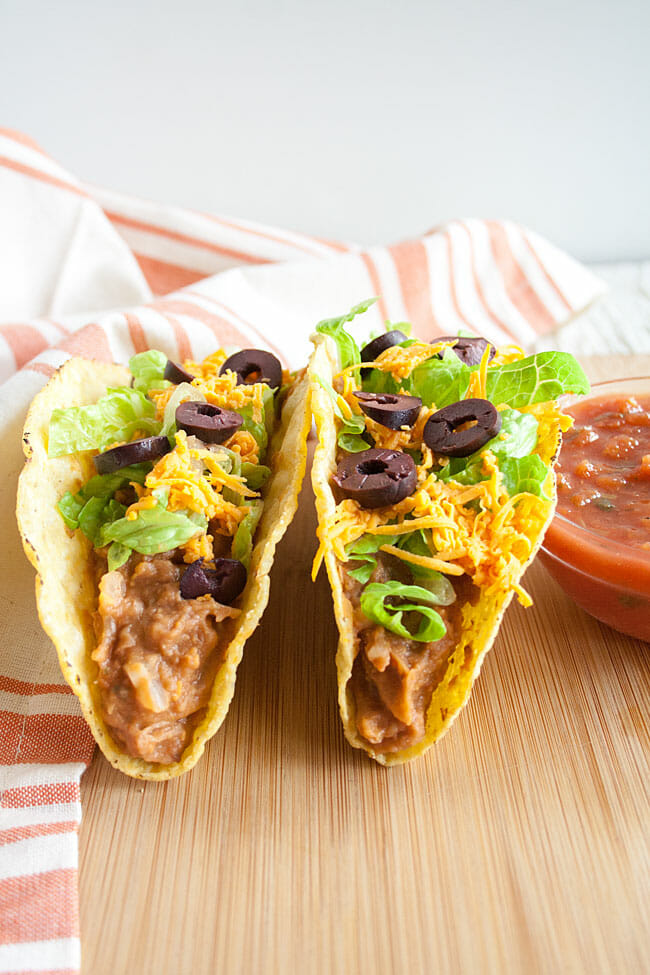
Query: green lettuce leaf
{"points": [[117, 555], [349, 436], [521, 469], [536, 379], [115, 417], [440, 381], [95, 514], [348, 348], [364, 550], [255, 475], [242, 543], [258, 430], [373, 607], [69, 508], [99, 488], [517, 438], [154, 530], [148, 369], [524, 474]]}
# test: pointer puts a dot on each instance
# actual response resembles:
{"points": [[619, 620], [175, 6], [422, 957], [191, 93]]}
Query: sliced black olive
{"points": [[176, 374], [224, 583], [469, 350], [373, 349], [441, 431], [389, 409], [377, 477], [255, 366], [209, 423], [131, 453]]}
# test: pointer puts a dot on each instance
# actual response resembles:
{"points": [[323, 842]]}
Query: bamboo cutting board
{"points": [[518, 844]]}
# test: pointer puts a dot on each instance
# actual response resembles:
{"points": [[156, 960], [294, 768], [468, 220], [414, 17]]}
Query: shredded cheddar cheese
{"points": [[244, 444], [476, 529]]}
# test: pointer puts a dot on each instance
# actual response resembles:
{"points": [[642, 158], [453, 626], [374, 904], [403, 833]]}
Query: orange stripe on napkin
{"points": [[48, 794], [553, 283], [412, 265], [163, 277], [136, 332], [375, 284], [152, 228], [515, 282], [38, 174], [14, 686], [479, 287], [39, 907], [21, 139], [43, 738], [37, 829], [43, 367], [25, 342], [90, 342], [224, 330]]}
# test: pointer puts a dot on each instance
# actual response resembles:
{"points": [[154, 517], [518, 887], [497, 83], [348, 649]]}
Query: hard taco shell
{"points": [[66, 592], [480, 621]]}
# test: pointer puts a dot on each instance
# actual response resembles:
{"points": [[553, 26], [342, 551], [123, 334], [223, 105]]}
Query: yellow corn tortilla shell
{"points": [[481, 621], [66, 592]]}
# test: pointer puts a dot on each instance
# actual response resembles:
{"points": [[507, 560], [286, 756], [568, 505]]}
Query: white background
{"points": [[367, 121]]}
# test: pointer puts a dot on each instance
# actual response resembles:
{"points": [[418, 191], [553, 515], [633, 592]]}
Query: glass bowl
{"points": [[609, 580]]}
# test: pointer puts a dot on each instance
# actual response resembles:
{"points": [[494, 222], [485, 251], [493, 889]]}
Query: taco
{"points": [[150, 505], [434, 485]]}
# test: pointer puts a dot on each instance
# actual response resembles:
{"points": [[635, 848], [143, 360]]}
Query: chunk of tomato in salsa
{"points": [[603, 472]]}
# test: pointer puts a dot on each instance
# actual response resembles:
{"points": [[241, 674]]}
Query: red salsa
{"points": [[598, 545], [603, 473]]}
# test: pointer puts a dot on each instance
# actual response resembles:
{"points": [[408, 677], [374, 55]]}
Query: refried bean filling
{"points": [[393, 679], [157, 655]]}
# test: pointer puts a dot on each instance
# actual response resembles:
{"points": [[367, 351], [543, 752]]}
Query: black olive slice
{"points": [[377, 477], [389, 409], [131, 453], [255, 366], [176, 374], [469, 350], [441, 431], [374, 349], [224, 583], [209, 423]]}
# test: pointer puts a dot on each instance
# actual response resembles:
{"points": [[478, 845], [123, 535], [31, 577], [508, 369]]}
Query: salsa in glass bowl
{"points": [[598, 544]]}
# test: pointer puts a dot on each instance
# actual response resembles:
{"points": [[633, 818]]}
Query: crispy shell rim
{"points": [[453, 692], [66, 593]]}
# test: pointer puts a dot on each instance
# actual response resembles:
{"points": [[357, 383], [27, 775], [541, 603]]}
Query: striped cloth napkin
{"points": [[84, 271]]}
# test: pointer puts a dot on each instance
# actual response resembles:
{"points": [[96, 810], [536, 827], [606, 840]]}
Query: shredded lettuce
{"points": [[115, 417], [365, 550], [536, 379], [348, 349], [242, 543], [440, 381], [99, 488], [373, 607], [95, 514], [257, 430], [183, 393], [521, 469], [255, 475], [517, 438], [154, 530], [148, 369], [117, 555], [349, 436], [524, 474]]}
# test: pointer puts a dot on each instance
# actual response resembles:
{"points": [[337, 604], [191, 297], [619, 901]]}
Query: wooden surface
{"points": [[518, 844]]}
